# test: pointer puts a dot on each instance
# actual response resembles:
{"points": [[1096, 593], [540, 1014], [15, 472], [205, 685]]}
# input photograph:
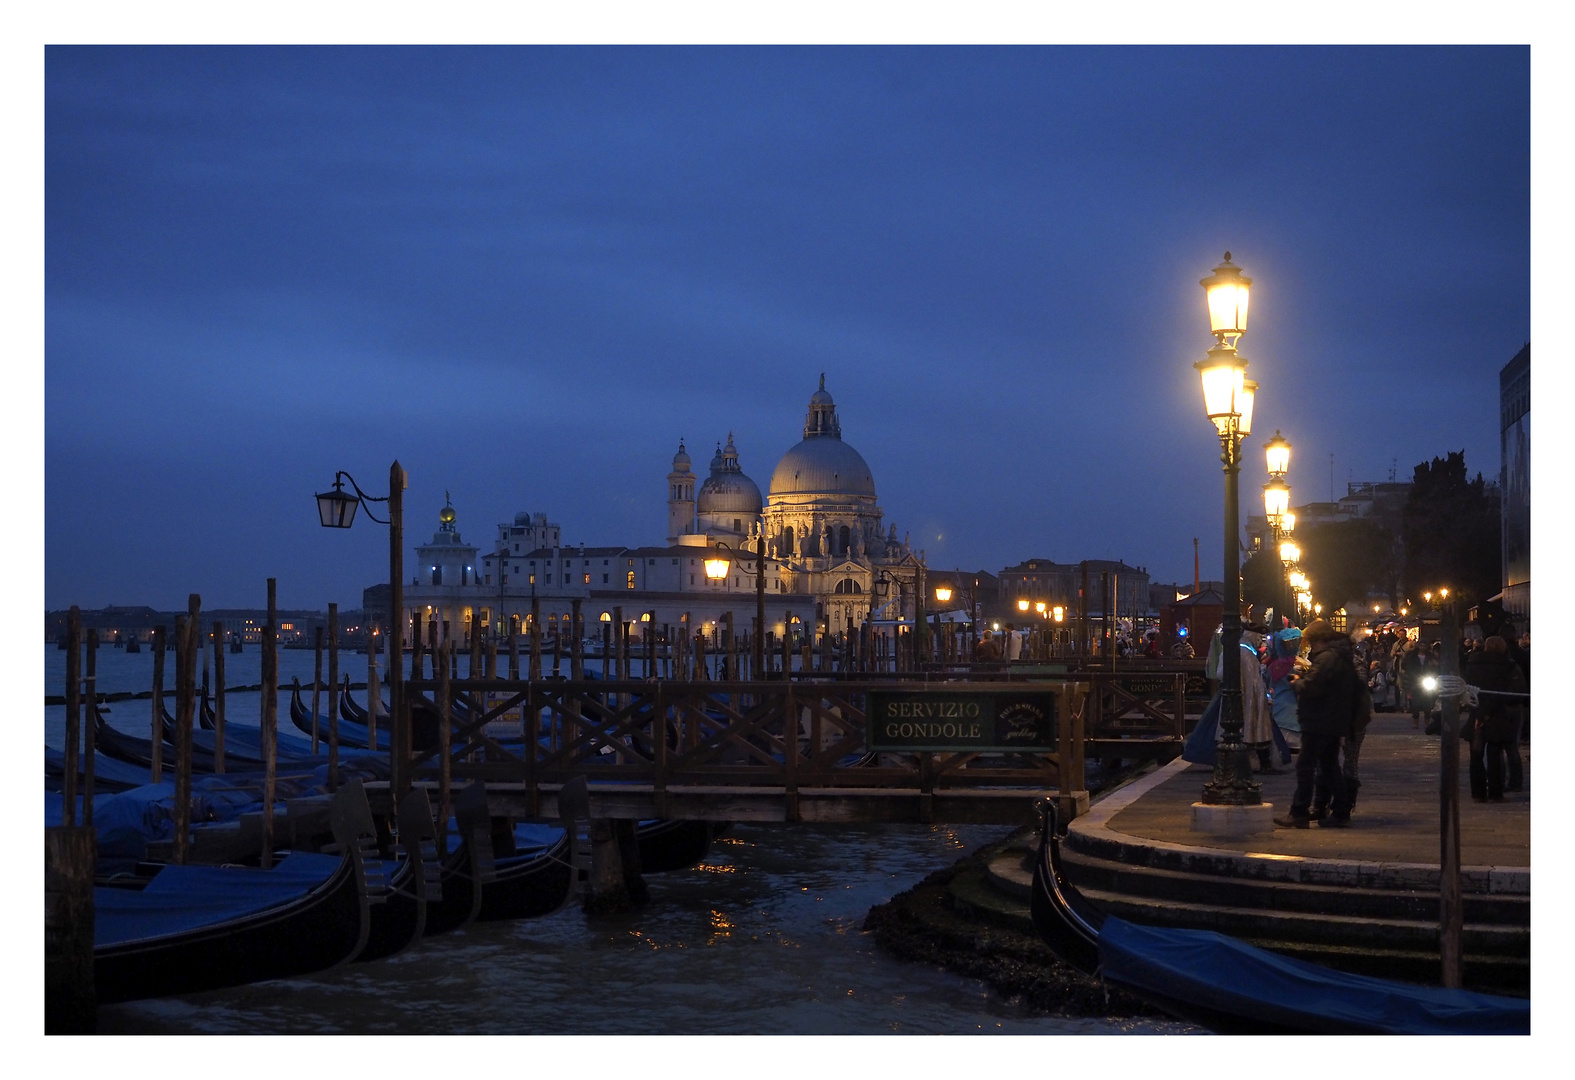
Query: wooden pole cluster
{"points": [[270, 719]]}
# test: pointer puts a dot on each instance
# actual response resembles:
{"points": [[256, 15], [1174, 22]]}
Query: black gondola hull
{"points": [[317, 932]]}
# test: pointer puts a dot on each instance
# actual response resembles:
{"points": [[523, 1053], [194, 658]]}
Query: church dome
{"points": [[727, 490], [822, 464], [681, 459]]}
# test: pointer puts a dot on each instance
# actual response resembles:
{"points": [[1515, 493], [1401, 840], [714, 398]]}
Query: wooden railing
{"points": [[703, 748]]}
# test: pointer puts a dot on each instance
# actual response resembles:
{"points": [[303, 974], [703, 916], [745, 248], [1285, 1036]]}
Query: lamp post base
{"points": [[1233, 820], [1232, 784]]}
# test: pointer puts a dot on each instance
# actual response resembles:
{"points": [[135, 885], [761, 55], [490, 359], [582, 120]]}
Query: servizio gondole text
{"points": [[938, 710]]}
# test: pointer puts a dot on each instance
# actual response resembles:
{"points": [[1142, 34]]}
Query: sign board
{"points": [[509, 724], [986, 721], [1147, 685]]}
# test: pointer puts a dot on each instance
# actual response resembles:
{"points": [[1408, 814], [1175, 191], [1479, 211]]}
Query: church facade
{"points": [[828, 564]]}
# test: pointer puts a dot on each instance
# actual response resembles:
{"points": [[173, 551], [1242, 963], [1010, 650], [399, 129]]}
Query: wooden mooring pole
{"points": [[74, 713], [1450, 908], [445, 744], [70, 1001], [90, 695], [333, 697], [158, 705], [218, 696], [270, 720], [317, 679]]}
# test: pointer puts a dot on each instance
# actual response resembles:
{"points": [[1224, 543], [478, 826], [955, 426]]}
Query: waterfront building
{"points": [[1514, 478], [1060, 584], [828, 564]]}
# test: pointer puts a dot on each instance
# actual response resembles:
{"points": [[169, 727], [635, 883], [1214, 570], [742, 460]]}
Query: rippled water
{"points": [[763, 937]]}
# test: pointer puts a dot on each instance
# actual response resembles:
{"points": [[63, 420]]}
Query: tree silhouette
{"points": [[1452, 532]]}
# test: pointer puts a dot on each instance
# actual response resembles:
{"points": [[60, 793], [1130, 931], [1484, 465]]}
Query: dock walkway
{"points": [[1396, 818], [1364, 898]]}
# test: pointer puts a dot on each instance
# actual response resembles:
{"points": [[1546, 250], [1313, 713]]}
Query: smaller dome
{"points": [[522, 518], [681, 459], [446, 515]]}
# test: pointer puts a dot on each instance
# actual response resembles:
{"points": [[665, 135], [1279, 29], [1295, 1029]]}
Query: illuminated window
{"points": [[533, 579], [588, 578], [630, 581]]}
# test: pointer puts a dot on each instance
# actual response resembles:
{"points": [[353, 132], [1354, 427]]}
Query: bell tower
{"points": [[680, 497]]}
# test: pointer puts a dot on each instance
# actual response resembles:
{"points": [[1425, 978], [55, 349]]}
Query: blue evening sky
{"points": [[526, 272]]}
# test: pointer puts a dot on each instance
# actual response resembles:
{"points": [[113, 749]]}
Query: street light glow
{"points": [[1227, 292], [943, 593], [1278, 454]]}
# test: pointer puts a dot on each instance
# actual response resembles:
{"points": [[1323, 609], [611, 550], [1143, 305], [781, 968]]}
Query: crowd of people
{"points": [[1323, 687]]}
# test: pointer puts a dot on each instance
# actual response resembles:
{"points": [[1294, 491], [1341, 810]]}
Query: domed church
{"points": [[822, 528], [820, 518]]}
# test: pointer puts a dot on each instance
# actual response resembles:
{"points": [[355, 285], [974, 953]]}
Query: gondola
{"points": [[244, 750], [1224, 984], [110, 775], [413, 882], [193, 928], [133, 750], [466, 868]]}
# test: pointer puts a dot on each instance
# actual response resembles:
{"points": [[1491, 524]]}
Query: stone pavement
{"points": [[1396, 818]]}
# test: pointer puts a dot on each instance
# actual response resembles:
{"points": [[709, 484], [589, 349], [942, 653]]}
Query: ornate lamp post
{"points": [[1228, 398], [337, 510]]}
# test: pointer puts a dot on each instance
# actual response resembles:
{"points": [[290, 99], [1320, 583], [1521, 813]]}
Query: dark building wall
{"points": [[1514, 393]]}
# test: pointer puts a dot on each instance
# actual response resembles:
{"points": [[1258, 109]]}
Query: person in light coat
{"points": [[1257, 721]]}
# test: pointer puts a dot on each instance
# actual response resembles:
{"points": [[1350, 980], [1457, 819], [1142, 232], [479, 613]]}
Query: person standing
{"points": [[1326, 699], [1495, 721]]}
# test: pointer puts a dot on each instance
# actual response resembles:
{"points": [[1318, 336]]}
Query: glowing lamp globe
{"points": [[943, 593], [716, 569], [1224, 375], [1277, 453], [1227, 291], [1276, 500]]}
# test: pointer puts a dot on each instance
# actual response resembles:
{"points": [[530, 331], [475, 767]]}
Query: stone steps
{"points": [[1384, 932]]}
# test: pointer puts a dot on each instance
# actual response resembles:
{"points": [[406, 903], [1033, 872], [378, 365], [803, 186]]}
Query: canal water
{"points": [[764, 937]]}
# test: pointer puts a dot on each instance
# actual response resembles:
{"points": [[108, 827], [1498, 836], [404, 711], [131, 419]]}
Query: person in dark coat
{"points": [[1326, 699], [1495, 721]]}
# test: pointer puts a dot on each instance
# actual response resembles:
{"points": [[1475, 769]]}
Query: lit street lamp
{"points": [[1277, 497], [716, 569], [1228, 399], [337, 509]]}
